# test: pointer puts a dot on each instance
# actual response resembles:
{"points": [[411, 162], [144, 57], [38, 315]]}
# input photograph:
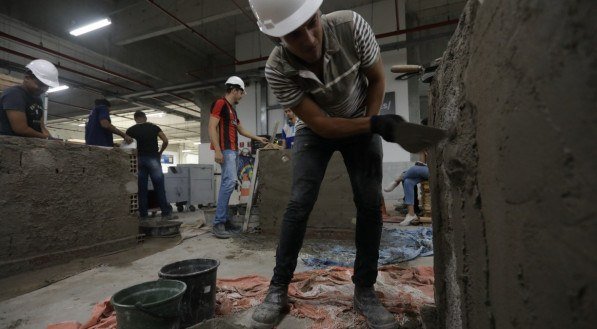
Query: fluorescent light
{"points": [[55, 89], [187, 151], [156, 114], [197, 143], [81, 125], [91, 27]]}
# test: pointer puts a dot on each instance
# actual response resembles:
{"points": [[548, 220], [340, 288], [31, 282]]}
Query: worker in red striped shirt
{"points": [[224, 127]]}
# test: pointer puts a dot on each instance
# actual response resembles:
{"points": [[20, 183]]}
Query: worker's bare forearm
{"points": [[30, 132], [341, 127], [116, 131], [375, 89], [247, 134], [18, 123], [215, 140], [374, 98]]}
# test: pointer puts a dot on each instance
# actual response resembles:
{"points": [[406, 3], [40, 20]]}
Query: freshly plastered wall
{"points": [[62, 201], [514, 187], [334, 213]]}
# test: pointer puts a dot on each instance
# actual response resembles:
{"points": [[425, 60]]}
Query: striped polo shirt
{"points": [[227, 126], [349, 48]]}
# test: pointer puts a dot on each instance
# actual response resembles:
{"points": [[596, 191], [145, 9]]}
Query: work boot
{"points": [[367, 303], [267, 314], [232, 228], [220, 231]]}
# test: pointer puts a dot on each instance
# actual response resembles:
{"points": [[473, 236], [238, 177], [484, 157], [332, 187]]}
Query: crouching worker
{"points": [[21, 106]]}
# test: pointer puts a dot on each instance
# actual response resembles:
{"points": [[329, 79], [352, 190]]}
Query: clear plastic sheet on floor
{"points": [[397, 245], [325, 295]]}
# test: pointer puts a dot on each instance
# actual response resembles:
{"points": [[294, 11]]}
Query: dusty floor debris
{"points": [[325, 295], [70, 291]]}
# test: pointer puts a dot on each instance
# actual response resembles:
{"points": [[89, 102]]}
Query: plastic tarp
{"points": [[397, 245], [325, 295]]}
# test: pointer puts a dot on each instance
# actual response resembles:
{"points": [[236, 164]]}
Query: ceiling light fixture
{"points": [[55, 89], [197, 143], [91, 27], [156, 114], [187, 151]]}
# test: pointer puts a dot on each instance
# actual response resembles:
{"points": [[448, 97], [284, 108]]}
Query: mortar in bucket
{"points": [[149, 305], [198, 302]]}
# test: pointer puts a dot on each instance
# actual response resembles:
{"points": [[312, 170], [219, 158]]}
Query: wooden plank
{"points": [[8, 81], [251, 192], [424, 219]]}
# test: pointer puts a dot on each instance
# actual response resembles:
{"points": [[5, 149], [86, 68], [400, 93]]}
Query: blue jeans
{"points": [[413, 176], [310, 156], [227, 185], [149, 165]]}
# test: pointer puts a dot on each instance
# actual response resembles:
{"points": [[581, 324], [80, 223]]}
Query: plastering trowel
{"points": [[415, 138]]}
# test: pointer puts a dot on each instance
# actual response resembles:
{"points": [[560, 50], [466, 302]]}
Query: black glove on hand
{"points": [[412, 137], [385, 125]]}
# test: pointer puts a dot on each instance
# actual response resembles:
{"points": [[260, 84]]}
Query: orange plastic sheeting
{"points": [[102, 317], [325, 296]]}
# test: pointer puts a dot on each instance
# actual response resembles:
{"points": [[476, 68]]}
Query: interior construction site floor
{"points": [[69, 292]]}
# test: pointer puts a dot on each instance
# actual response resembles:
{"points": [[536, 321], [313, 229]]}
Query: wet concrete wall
{"points": [[334, 213], [62, 201], [514, 188]]}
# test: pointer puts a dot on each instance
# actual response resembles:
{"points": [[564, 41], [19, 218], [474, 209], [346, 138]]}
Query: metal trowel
{"points": [[415, 138]]}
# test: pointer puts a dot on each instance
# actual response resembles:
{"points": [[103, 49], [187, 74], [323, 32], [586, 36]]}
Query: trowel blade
{"points": [[415, 138]]}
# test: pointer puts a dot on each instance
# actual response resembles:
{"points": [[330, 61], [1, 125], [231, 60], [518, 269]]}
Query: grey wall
{"points": [[62, 201], [334, 212], [514, 188]]}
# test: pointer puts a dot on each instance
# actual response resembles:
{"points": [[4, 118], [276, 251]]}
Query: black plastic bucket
{"points": [[149, 305], [198, 302]]}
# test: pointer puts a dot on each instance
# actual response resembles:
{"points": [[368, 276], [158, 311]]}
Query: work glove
{"points": [[412, 137]]}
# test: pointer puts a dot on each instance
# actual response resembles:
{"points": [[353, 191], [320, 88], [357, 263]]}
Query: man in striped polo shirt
{"points": [[224, 127], [328, 70]]}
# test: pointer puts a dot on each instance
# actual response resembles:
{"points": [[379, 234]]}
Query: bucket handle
{"points": [[141, 308]]}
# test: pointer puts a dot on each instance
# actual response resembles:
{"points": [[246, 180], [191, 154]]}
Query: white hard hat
{"points": [[280, 17], [234, 80], [45, 71]]}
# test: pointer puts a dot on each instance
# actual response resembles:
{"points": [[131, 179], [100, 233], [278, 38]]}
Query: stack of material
{"points": [[8, 81], [426, 202]]}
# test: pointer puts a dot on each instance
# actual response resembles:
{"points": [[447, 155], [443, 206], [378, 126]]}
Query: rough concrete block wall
{"points": [[61, 201], [334, 211], [514, 187]]}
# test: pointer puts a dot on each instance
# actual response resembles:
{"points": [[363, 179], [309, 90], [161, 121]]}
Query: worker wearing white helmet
{"points": [[21, 106], [224, 127], [327, 69]]}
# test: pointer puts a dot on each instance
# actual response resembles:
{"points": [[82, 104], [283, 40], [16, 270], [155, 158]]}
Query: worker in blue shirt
{"points": [[289, 128]]}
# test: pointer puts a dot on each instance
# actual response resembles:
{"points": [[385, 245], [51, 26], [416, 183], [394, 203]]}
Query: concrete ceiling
{"points": [[147, 58]]}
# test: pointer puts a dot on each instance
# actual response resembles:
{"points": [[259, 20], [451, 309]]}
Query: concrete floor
{"points": [[69, 292]]}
